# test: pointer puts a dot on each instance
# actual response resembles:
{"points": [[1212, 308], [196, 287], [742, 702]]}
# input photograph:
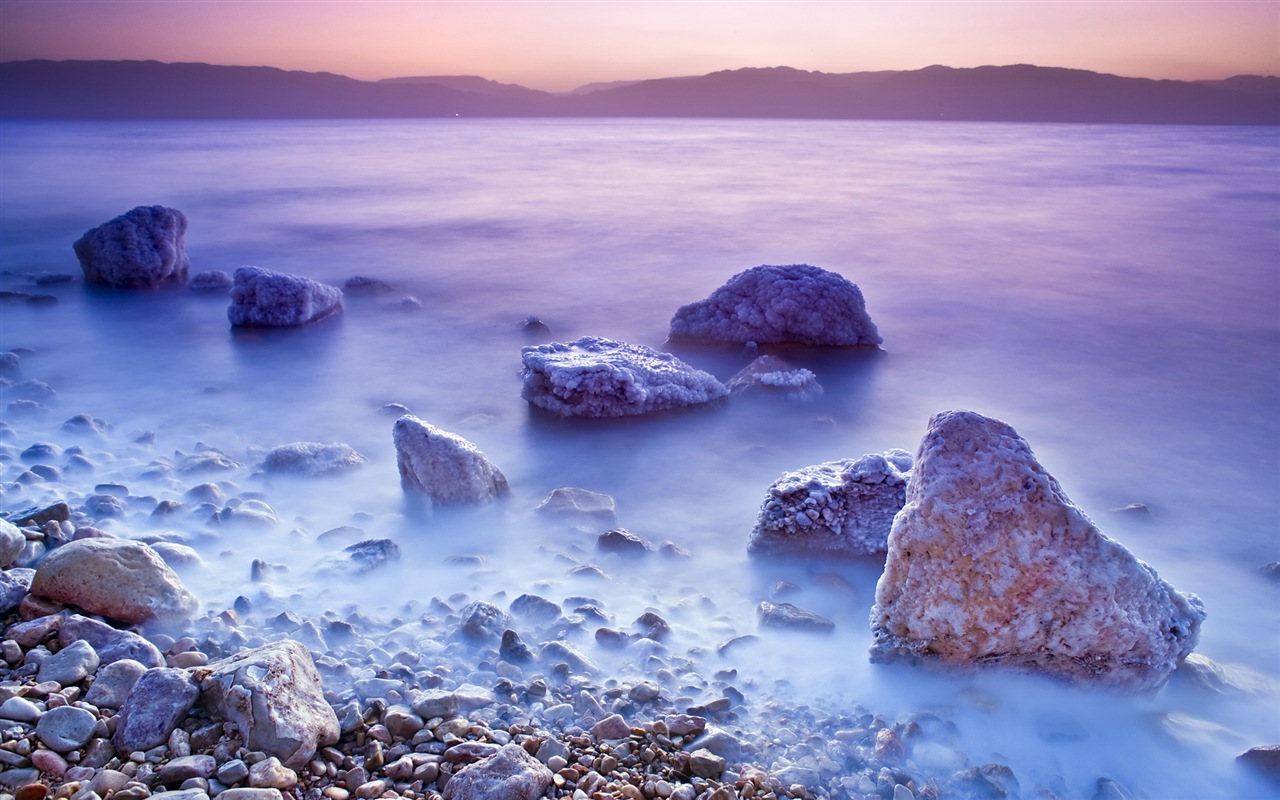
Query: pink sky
{"points": [[557, 45]]}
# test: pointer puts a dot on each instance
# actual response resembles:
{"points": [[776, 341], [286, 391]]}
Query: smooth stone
{"points": [[19, 709], [71, 664], [158, 703], [111, 644], [271, 774], [571, 501], [184, 768], [122, 580], [65, 728]]}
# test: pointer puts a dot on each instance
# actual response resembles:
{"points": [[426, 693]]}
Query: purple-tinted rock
{"points": [[140, 249], [312, 458], [445, 467], [160, 700], [120, 579], [511, 774], [111, 644], [623, 542], [113, 683], [264, 298], [65, 728]]}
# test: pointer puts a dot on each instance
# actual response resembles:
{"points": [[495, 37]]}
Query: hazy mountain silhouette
{"points": [[1025, 93]]}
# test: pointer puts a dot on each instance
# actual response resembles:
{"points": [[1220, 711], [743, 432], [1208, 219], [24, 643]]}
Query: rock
{"points": [[12, 592], [312, 458], [11, 543], [623, 542], [797, 304], [595, 377], [534, 607], [482, 621], [158, 703], [512, 649], [789, 617], [187, 767], [39, 515], [111, 644], [1264, 760], [273, 695], [207, 461], [361, 557], [841, 507], [122, 580], [264, 298], [141, 249], [86, 425], [177, 794], [706, 764], [19, 709], [434, 703], [113, 682], [993, 781], [570, 501], [250, 793], [366, 284], [611, 727], [211, 281], [771, 376], [718, 741], [443, 466], [1108, 789], [989, 563], [69, 665], [251, 512], [271, 774], [557, 652], [511, 774]]}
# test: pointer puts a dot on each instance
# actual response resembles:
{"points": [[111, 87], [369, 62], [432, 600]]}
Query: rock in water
{"points": [[312, 458], [442, 465], [771, 376], [797, 304], [272, 694], [140, 249], [509, 774], [261, 297], [990, 563], [120, 579], [595, 377], [841, 507]]}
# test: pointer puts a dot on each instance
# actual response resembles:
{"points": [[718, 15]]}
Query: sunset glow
{"points": [[561, 45]]}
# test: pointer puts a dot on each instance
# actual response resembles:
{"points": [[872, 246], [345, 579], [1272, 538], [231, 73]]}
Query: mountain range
{"points": [[1019, 93]]}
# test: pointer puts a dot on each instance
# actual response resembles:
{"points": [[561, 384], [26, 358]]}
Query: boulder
{"points": [[595, 377], [157, 704], [796, 304], [312, 458], [141, 249], [443, 466], [264, 298], [509, 774], [770, 376], [272, 694], [111, 644], [122, 580], [841, 507], [989, 563]]}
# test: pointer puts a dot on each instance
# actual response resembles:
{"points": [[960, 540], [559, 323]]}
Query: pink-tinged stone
{"points": [[444, 466], [122, 580]]}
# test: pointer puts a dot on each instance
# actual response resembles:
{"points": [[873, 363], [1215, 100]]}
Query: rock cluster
{"points": [[990, 563], [443, 466], [795, 304], [595, 377], [265, 298], [841, 507], [141, 249]]}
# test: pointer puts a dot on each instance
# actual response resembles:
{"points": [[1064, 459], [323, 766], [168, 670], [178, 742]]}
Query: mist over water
{"points": [[1110, 291]]}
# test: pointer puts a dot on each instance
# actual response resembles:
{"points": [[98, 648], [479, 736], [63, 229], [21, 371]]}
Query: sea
{"points": [[1111, 291]]}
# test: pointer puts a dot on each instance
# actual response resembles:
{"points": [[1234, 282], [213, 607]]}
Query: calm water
{"points": [[1111, 291]]}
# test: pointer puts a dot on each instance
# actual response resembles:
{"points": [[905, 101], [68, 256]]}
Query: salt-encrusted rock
{"points": [[595, 377], [158, 703], [841, 507], [140, 249], [272, 694], [111, 644], [990, 563], [312, 458], [211, 281], [511, 774], [791, 617], [11, 543], [767, 304], [113, 682], [122, 580], [262, 297], [444, 466], [571, 501], [771, 376]]}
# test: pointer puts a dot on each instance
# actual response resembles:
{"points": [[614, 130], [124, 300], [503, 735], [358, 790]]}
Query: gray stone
{"points": [[273, 695], [790, 617], [312, 458], [535, 607], [160, 700], [184, 768], [265, 298], [111, 644], [359, 558], [1264, 759], [434, 703], [706, 764], [12, 590], [271, 774], [141, 249], [17, 778], [443, 466], [122, 580], [718, 741], [19, 709], [623, 542], [511, 774], [233, 771], [11, 543], [65, 728], [213, 280], [483, 621], [71, 664]]}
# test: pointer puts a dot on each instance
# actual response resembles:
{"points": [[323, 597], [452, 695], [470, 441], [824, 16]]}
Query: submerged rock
{"points": [[841, 507], [798, 304], [989, 563], [771, 376], [212, 281], [444, 466], [571, 501], [272, 694], [595, 377], [119, 579], [140, 249], [313, 458], [262, 297], [790, 617]]}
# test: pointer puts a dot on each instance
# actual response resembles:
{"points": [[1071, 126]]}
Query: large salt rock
{"points": [[771, 376], [312, 458], [122, 580], [841, 507], [262, 297], [509, 774], [140, 249], [442, 465], [595, 377], [990, 563], [272, 694], [796, 304]]}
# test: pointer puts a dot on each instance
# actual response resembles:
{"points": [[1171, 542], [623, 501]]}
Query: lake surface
{"points": [[1113, 292]]}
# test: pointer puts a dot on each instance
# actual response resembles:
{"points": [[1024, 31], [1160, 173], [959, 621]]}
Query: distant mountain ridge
{"points": [[1017, 93]]}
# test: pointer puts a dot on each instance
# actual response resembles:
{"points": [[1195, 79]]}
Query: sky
{"points": [[558, 45]]}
